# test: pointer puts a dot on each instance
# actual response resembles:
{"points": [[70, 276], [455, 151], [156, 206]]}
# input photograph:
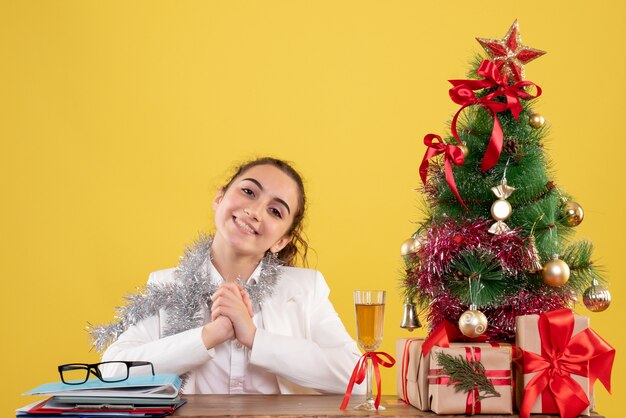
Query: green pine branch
{"points": [[465, 375], [582, 269], [523, 157], [477, 278]]}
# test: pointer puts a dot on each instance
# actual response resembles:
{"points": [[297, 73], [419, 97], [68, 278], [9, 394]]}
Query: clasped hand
{"points": [[232, 303]]}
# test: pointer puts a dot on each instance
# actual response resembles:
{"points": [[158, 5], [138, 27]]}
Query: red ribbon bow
{"points": [[360, 371], [441, 336], [463, 93], [586, 354], [452, 154], [446, 333]]}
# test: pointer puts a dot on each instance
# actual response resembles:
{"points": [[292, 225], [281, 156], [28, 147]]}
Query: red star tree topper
{"points": [[509, 54]]}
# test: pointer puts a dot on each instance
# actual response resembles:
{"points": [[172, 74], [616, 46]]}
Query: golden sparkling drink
{"points": [[369, 322]]}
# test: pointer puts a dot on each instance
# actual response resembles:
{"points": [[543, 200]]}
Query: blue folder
{"points": [[143, 386]]}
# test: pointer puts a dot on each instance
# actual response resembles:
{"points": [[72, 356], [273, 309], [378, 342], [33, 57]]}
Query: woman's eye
{"points": [[276, 212], [247, 191]]}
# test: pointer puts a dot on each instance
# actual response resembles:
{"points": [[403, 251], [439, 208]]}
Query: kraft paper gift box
{"points": [[413, 367], [528, 339], [412, 372], [445, 399]]}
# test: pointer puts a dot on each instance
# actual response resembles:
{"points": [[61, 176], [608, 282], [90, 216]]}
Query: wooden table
{"points": [[288, 406]]}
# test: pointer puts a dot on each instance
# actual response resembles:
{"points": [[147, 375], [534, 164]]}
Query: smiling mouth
{"points": [[244, 226]]}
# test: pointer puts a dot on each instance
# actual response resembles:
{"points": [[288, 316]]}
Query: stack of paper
{"points": [[138, 396]]}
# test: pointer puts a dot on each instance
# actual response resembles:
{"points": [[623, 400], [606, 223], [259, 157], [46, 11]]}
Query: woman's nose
{"points": [[252, 211]]}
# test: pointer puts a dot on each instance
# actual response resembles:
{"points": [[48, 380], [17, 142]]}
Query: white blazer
{"points": [[303, 342]]}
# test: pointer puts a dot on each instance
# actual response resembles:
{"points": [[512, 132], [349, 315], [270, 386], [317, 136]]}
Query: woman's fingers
{"points": [[234, 292], [215, 313], [228, 288], [247, 302], [233, 302], [228, 305]]}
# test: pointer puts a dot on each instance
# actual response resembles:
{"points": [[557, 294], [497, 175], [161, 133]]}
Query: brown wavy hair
{"points": [[297, 247]]}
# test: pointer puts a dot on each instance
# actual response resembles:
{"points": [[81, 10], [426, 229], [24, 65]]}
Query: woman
{"points": [[277, 334]]}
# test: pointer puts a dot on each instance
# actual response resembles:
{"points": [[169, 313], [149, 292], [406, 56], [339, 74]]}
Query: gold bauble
{"points": [[536, 120], [409, 247], [501, 210], [555, 272], [465, 150], [573, 214], [597, 298], [473, 323]]}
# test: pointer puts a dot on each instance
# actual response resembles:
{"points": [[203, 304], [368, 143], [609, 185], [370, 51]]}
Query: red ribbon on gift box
{"points": [[360, 371], [585, 354], [446, 333], [405, 367], [442, 336], [463, 93]]}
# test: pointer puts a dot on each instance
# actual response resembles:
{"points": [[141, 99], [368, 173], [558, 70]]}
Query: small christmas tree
{"points": [[496, 241]]}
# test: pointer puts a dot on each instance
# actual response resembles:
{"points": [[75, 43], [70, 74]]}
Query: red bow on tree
{"points": [[452, 154], [463, 93], [585, 354]]}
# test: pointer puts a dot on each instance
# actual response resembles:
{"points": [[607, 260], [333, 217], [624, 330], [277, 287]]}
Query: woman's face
{"points": [[256, 212]]}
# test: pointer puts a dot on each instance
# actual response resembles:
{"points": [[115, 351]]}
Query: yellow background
{"points": [[120, 119]]}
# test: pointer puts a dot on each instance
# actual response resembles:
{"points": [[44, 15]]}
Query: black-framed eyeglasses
{"points": [[78, 373]]}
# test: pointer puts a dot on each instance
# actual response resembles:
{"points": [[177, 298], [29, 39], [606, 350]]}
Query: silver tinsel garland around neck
{"points": [[184, 298]]}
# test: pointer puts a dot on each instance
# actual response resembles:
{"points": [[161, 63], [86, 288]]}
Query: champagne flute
{"points": [[369, 306]]}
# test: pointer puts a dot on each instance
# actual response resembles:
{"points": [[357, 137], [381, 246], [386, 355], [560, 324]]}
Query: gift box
{"points": [[414, 365], [458, 384], [412, 373], [561, 359]]}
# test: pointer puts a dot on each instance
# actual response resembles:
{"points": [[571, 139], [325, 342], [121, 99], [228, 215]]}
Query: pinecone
{"points": [[511, 146]]}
